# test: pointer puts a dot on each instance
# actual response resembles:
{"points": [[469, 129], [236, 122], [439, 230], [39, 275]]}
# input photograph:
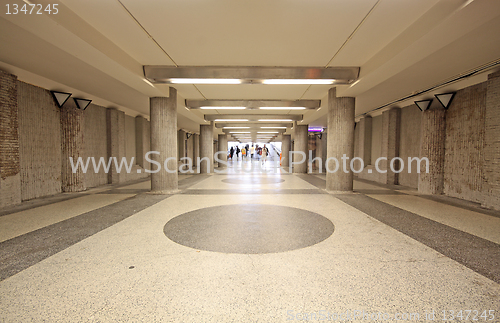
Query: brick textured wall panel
{"points": [[463, 176], [40, 142], [432, 146], [409, 145], [115, 126], [72, 145], [95, 143], [491, 161], [10, 183]]}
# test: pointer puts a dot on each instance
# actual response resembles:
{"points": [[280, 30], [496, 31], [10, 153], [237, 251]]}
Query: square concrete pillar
{"points": [[301, 146], [206, 149], [222, 147], [115, 124], [324, 150], [391, 121], [10, 178], [286, 143], [142, 140], [196, 147], [319, 153]]}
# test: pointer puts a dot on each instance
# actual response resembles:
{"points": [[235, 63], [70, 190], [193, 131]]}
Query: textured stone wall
{"points": [[72, 146], [409, 145], [115, 127], [376, 138], [432, 146], [40, 142], [10, 178], [491, 166], [463, 176], [142, 140], [95, 143], [130, 138]]}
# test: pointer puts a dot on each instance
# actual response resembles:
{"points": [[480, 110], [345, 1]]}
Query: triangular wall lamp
{"points": [[423, 104], [445, 99], [60, 97], [82, 104]]}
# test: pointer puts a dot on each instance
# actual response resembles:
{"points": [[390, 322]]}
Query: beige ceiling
{"points": [[98, 47]]}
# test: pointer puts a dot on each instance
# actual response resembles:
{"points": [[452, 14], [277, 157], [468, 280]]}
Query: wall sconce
{"points": [[188, 135], [60, 97], [82, 104], [423, 104], [445, 99]]}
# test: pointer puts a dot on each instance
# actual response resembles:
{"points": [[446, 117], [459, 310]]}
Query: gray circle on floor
{"points": [[248, 228], [253, 180]]}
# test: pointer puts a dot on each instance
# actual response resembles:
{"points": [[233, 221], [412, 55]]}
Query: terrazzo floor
{"points": [[110, 258]]}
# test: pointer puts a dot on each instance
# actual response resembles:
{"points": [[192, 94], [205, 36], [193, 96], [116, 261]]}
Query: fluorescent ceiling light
{"points": [[239, 131], [276, 120], [230, 120], [267, 131], [299, 81], [272, 127], [223, 108], [235, 127], [282, 108], [205, 81]]}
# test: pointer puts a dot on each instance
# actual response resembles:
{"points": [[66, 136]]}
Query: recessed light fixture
{"points": [[223, 108], [239, 131], [235, 127], [272, 127], [205, 81], [230, 120], [282, 108], [267, 131], [276, 120], [298, 81]]}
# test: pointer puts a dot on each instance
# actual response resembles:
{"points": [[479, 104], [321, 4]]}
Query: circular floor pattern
{"points": [[254, 180], [248, 228]]}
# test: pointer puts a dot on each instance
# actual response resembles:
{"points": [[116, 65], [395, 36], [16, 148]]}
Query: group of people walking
{"points": [[254, 152]]}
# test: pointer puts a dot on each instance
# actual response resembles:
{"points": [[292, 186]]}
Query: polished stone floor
{"points": [[253, 244]]}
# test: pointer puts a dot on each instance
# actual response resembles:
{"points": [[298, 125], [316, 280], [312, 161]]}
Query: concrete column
{"points": [[196, 148], [222, 146], [365, 139], [319, 152], [190, 148], [285, 150], [181, 144], [10, 167], [324, 150], [71, 146], [391, 121], [142, 140], [301, 145], [340, 141], [163, 114], [491, 163], [432, 146], [115, 124], [206, 148]]}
